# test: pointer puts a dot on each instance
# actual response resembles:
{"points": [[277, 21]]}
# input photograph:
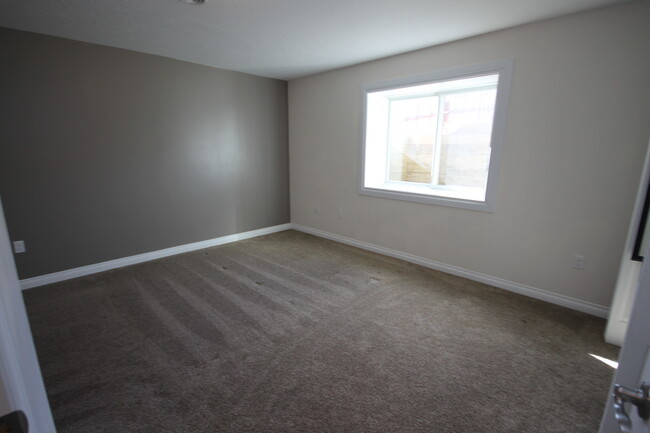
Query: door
{"points": [[21, 384], [634, 360], [628, 276]]}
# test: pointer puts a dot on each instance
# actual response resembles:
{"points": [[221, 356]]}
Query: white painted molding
{"points": [[629, 272], [21, 383], [41, 280], [553, 298]]}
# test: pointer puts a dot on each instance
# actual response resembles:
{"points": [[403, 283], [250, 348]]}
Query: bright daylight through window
{"points": [[436, 138]]}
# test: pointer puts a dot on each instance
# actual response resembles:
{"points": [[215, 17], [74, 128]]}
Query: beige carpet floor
{"points": [[292, 333]]}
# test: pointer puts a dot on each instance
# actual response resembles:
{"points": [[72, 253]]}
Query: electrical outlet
{"points": [[19, 247], [578, 262], [341, 213], [316, 210]]}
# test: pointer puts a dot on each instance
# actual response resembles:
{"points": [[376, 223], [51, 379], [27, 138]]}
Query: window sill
{"points": [[427, 195]]}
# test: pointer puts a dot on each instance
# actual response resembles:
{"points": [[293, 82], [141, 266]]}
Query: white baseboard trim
{"points": [[55, 277], [554, 298]]}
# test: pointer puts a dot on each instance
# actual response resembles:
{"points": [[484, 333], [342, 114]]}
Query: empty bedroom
{"points": [[340, 216]]}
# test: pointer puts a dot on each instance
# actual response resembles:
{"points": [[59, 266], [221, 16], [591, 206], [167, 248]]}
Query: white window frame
{"points": [[424, 193]]}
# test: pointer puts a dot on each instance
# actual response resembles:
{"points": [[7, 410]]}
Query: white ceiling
{"points": [[278, 38]]}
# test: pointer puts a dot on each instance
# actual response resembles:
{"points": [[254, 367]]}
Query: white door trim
{"points": [[633, 359], [628, 274], [21, 383]]}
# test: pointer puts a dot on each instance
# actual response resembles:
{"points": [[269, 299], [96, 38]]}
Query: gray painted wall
{"points": [[576, 137], [107, 153]]}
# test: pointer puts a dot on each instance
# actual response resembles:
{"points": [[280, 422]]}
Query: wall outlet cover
{"points": [[19, 247]]}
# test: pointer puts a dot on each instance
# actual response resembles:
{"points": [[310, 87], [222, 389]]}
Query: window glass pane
{"points": [[432, 139], [465, 139], [412, 136]]}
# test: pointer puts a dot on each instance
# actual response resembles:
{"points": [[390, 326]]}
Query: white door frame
{"points": [[21, 383], [634, 359], [628, 274]]}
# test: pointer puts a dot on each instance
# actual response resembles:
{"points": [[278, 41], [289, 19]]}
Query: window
{"points": [[436, 138]]}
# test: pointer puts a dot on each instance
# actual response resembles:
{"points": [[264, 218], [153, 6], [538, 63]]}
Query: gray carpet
{"points": [[292, 333]]}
